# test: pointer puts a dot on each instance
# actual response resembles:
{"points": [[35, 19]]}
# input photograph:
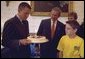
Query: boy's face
{"points": [[69, 30], [70, 18]]}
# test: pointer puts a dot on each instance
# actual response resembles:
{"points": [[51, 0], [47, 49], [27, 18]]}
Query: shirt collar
{"points": [[19, 18], [52, 21]]}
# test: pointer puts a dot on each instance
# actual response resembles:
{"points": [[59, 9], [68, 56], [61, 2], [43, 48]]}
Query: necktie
{"points": [[53, 30], [23, 22]]}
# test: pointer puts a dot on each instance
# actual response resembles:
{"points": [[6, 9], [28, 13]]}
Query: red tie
{"points": [[53, 30]]}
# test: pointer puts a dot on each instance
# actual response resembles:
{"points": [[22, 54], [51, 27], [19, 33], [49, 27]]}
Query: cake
{"points": [[37, 39]]}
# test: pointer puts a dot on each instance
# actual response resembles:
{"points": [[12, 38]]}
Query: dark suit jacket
{"points": [[13, 31], [80, 31], [48, 50]]}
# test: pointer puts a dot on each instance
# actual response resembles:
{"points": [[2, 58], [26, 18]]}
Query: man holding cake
{"points": [[15, 33]]}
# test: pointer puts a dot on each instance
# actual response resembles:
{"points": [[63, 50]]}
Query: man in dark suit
{"points": [[53, 30], [15, 33]]}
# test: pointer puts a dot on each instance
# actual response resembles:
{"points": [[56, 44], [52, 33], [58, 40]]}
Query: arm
{"points": [[82, 49], [60, 48], [9, 37], [40, 30], [60, 54]]}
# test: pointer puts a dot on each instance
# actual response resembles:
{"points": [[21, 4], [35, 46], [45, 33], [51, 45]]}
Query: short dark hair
{"points": [[73, 24], [57, 9], [74, 14], [23, 5]]}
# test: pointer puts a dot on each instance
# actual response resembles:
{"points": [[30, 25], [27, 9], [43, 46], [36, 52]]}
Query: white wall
{"points": [[78, 6], [34, 21]]}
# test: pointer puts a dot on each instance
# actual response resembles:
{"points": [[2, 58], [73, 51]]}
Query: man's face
{"points": [[69, 30], [24, 13], [54, 15]]}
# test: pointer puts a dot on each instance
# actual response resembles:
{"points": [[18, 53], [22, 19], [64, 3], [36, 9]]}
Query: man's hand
{"points": [[60, 54], [24, 42]]}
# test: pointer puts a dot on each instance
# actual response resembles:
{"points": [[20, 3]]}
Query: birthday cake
{"points": [[37, 39]]}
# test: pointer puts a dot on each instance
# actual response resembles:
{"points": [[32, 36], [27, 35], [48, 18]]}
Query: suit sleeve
{"points": [[8, 36], [40, 30]]}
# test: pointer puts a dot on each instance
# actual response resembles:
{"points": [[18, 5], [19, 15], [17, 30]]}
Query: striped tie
{"points": [[53, 30]]}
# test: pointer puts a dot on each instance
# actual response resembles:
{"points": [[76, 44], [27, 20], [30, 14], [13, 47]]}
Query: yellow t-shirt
{"points": [[71, 48]]}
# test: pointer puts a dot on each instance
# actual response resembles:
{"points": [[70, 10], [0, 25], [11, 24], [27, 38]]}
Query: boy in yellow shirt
{"points": [[71, 45]]}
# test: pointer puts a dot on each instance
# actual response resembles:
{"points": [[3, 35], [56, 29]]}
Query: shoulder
{"points": [[63, 39], [80, 39], [60, 23], [9, 21], [46, 20], [64, 36]]}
